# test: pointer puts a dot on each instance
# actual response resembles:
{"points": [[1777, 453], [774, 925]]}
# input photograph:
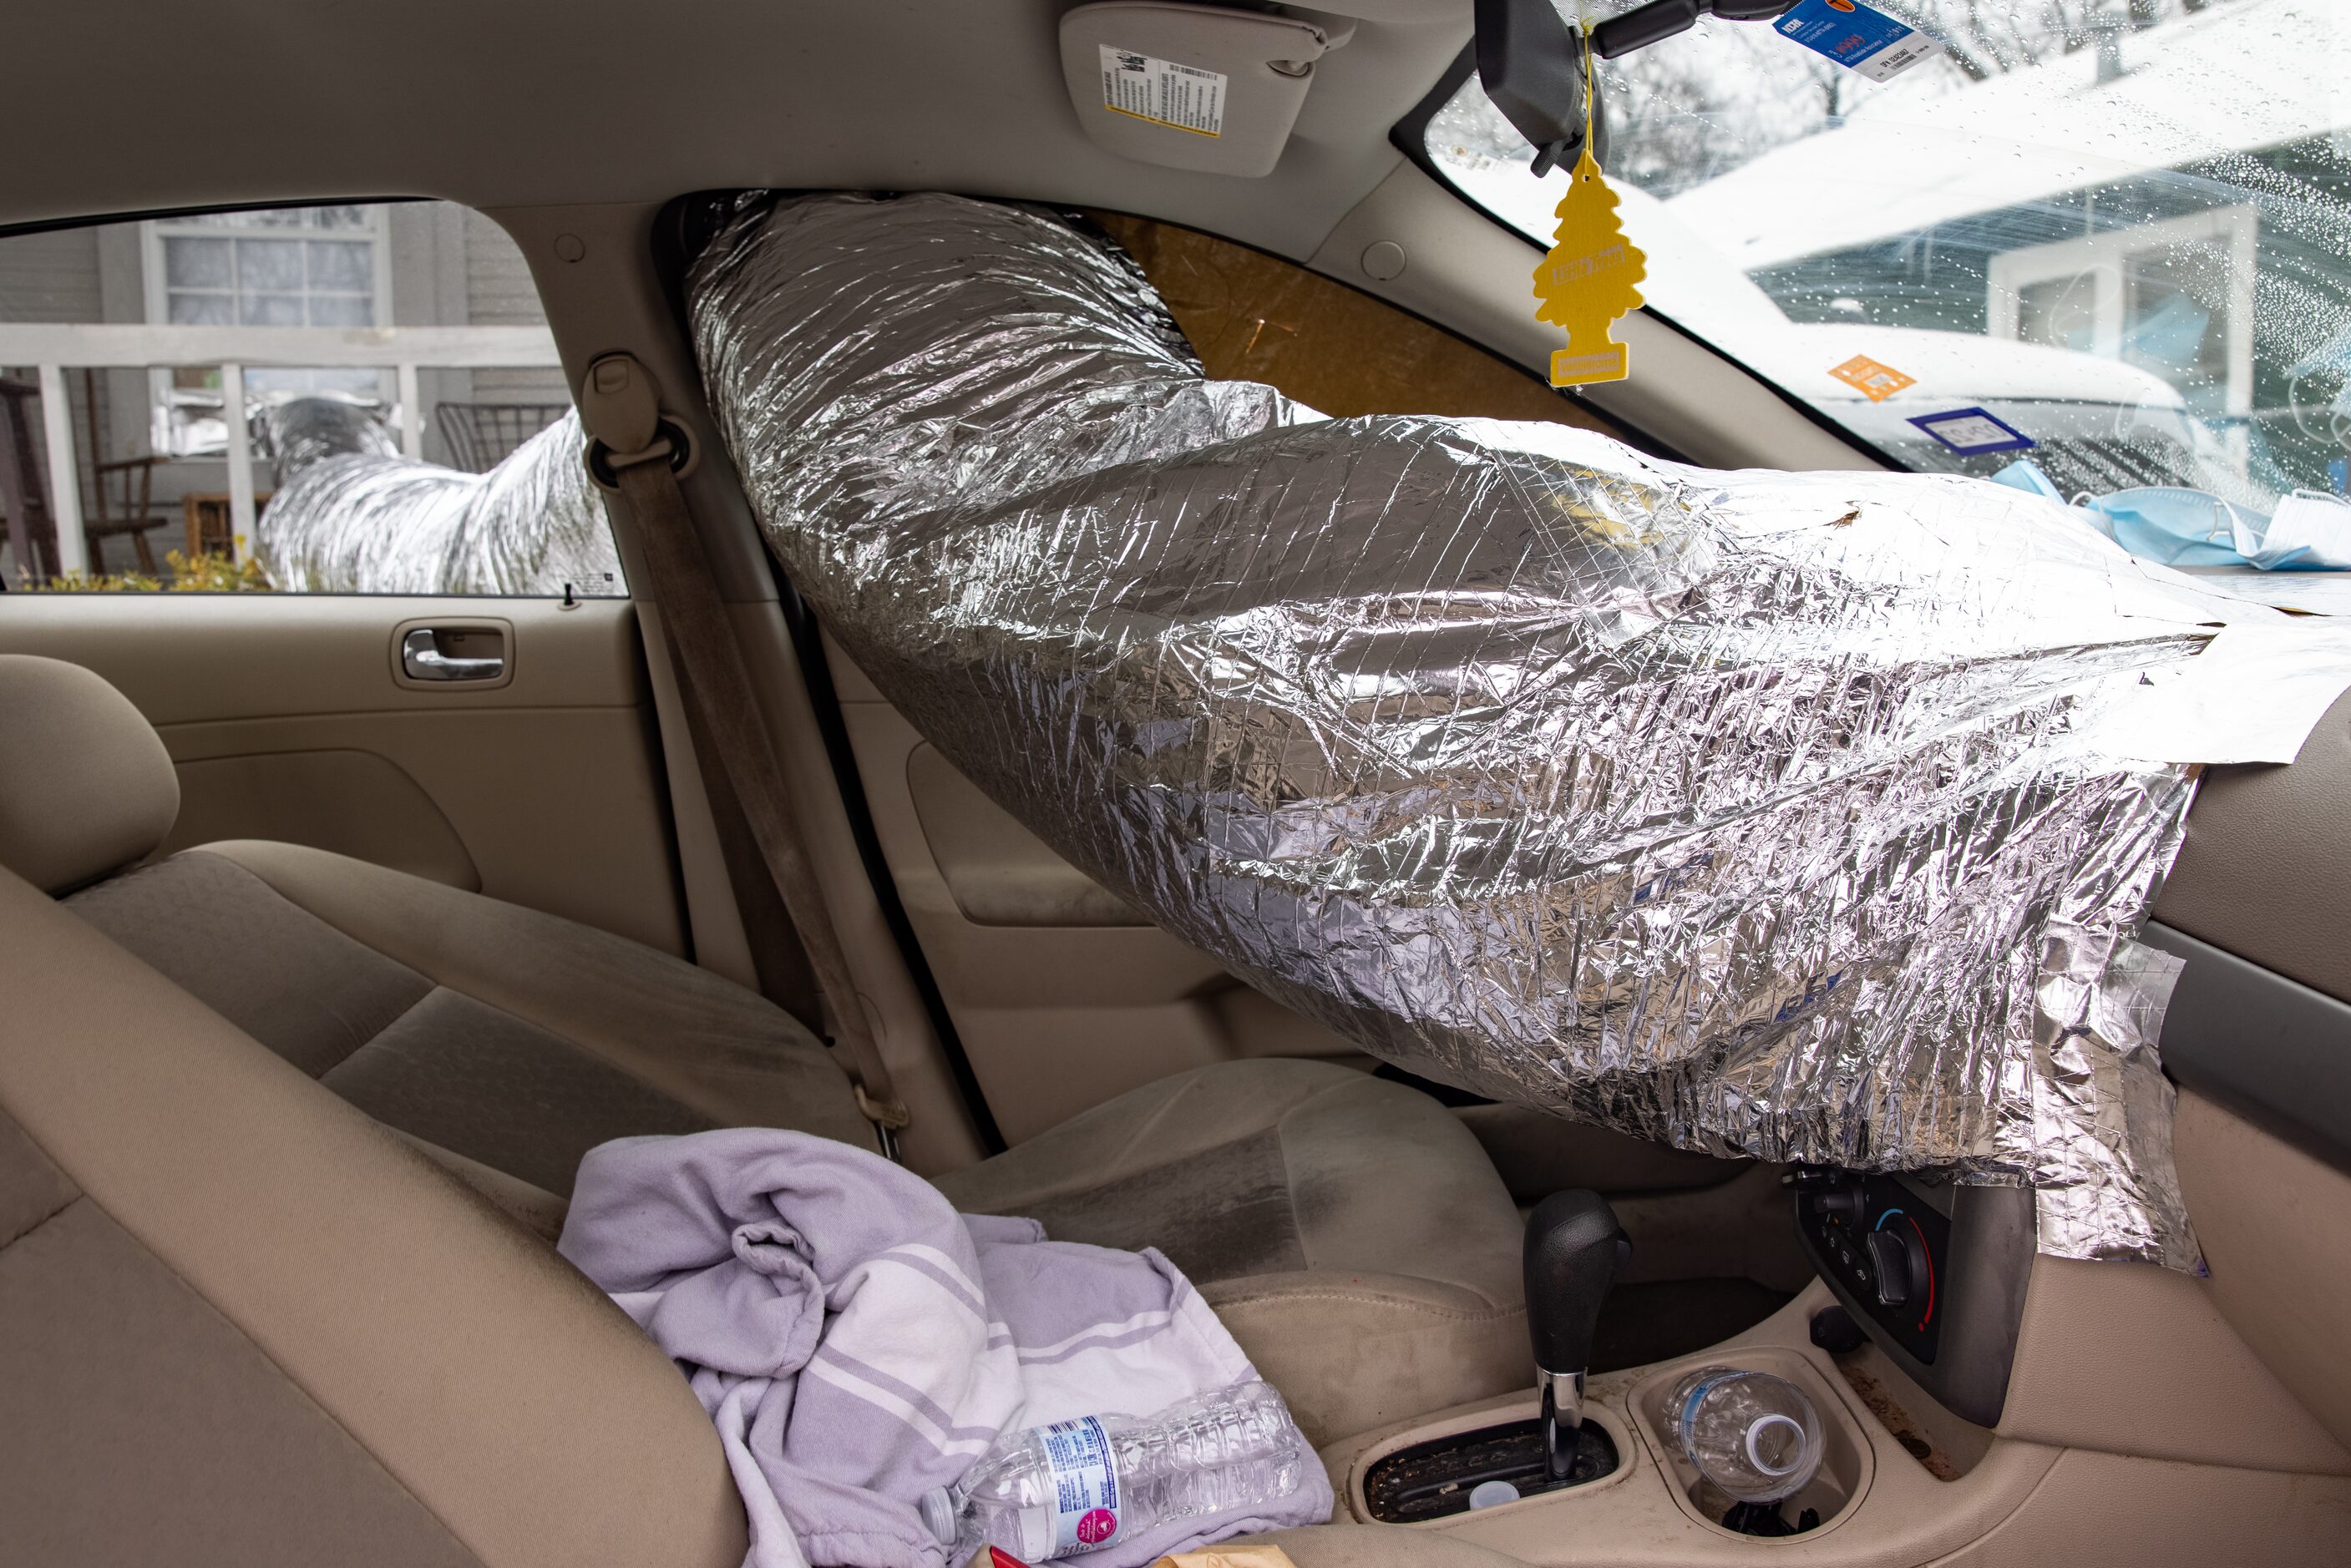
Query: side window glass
{"points": [[324, 398], [1254, 317]]}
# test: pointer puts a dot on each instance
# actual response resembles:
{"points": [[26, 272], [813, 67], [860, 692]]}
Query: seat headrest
{"points": [[86, 786]]}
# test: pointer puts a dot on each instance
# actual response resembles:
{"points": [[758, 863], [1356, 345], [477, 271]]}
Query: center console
{"points": [[1935, 1274], [1904, 1347]]}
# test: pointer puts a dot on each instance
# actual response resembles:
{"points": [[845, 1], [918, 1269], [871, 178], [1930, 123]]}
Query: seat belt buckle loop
{"points": [[890, 1115]]}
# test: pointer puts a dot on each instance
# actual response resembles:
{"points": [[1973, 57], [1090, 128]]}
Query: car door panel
{"points": [[352, 802], [2258, 1035], [2261, 872], [998, 872], [288, 720], [1063, 996]]}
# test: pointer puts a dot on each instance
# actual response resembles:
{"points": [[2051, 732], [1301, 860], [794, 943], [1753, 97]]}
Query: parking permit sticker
{"points": [[1181, 98], [1853, 34], [1873, 381], [1971, 430]]}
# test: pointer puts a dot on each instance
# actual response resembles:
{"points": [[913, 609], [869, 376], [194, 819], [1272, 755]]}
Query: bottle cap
{"points": [[939, 1512], [1492, 1494]]}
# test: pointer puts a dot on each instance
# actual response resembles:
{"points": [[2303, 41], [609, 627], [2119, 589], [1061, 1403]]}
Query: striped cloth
{"points": [[859, 1342]]}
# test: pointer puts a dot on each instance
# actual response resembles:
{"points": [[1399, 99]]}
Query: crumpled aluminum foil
{"points": [[296, 432], [1753, 812], [352, 515]]}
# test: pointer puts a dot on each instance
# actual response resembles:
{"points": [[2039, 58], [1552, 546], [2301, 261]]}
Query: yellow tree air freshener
{"points": [[1588, 279]]}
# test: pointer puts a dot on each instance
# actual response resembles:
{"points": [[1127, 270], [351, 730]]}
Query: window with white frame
{"points": [[2174, 296], [286, 266], [274, 266]]}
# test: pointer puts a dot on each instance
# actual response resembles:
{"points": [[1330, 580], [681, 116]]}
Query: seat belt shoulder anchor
{"points": [[620, 406]]}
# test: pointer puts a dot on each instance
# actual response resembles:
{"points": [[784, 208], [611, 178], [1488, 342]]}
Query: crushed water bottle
{"points": [[1077, 1486], [1755, 1436]]}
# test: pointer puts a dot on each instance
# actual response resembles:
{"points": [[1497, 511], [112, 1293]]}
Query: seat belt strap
{"points": [[620, 402], [785, 975]]}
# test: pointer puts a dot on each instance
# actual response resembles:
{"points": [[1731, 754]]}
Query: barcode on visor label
{"points": [[1179, 96]]}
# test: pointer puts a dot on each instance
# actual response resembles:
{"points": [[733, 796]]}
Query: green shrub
{"points": [[206, 573]]}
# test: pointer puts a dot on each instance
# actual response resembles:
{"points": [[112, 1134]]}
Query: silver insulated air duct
{"points": [[352, 516], [1754, 813]]}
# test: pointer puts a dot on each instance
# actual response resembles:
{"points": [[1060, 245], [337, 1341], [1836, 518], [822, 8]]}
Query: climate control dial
{"points": [[1899, 1261]]}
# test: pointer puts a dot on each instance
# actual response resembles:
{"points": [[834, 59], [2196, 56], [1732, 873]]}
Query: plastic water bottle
{"points": [[1755, 1436], [1077, 1486]]}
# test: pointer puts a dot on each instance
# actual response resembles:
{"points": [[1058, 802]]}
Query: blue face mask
{"points": [[2177, 528]]}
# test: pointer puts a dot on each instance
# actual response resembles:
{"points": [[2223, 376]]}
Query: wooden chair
{"points": [[32, 533], [124, 492]]}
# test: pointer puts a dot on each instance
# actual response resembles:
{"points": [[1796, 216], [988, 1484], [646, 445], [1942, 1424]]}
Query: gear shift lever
{"points": [[1574, 1252]]}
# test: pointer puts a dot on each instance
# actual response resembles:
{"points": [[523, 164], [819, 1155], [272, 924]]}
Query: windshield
{"points": [[2117, 230]]}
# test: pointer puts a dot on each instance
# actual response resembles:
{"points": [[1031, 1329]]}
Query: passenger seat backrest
{"points": [[86, 786], [216, 1276]]}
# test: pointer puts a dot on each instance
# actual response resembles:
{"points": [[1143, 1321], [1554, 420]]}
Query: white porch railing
{"points": [[55, 349]]}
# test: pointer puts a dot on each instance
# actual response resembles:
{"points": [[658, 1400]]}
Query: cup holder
{"points": [[1843, 1476]]}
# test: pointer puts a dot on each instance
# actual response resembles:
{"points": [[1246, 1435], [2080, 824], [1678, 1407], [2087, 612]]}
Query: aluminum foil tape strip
{"points": [[350, 516], [1748, 812]]}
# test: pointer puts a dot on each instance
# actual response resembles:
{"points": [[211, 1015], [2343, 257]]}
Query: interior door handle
{"points": [[422, 658]]}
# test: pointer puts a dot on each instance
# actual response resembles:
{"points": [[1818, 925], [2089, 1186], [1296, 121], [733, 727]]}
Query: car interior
{"points": [[336, 927]]}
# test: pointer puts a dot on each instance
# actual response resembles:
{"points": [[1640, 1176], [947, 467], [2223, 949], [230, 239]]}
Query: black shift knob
{"points": [[1574, 1252]]}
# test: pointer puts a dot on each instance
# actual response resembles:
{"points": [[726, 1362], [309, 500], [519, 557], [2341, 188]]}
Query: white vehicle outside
{"points": [[2123, 237]]}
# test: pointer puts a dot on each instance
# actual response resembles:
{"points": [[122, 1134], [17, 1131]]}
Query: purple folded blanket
{"points": [[858, 1342]]}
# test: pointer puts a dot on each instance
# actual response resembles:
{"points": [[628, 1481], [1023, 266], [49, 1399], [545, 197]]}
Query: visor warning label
{"points": [[1182, 98], [1853, 34]]}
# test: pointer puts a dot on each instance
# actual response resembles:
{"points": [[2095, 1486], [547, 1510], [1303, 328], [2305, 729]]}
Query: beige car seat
{"points": [[1351, 1231]]}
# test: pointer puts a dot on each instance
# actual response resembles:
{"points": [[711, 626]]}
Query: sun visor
{"points": [[1758, 812], [1208, 88], [352, 516]]}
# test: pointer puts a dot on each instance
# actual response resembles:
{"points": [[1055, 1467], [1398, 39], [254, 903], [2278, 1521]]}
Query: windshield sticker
{"points": [[1181, 98], [1873, 381], [1972, 430], [1852, 34]]}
